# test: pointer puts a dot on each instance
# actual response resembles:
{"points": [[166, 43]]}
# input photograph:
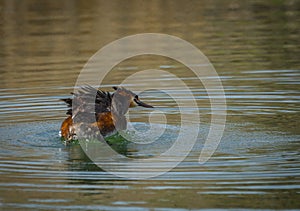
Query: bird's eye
{"points": [[136, 97]]}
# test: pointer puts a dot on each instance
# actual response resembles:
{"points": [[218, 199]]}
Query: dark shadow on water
{"points": [[79, 160]]}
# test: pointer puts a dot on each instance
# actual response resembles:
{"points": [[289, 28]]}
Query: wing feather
{"points": [[101, 101]]}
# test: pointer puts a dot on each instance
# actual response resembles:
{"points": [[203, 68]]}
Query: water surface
{"points": [[254, 47]]}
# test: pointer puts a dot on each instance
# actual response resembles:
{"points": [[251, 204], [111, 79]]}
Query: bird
{"points": [[97, 112]]}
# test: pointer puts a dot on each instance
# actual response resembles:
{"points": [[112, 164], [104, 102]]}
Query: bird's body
{"points": [[98, 111]]}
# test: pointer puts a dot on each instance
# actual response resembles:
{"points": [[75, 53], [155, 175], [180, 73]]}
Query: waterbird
{"points": [[98, 111]]}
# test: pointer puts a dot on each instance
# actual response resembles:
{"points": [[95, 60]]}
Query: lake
{"points": [[254, 48]]}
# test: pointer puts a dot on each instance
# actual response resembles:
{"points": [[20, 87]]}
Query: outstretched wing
{"points": [[89, 100]]}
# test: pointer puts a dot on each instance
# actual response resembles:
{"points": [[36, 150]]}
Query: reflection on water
{"points": [[48, 175], [254, 47]]}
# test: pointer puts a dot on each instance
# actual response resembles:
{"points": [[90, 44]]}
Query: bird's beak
{"points": [[140, 103]]}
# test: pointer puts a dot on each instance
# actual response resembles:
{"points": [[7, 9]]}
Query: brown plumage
{"points": [[98, 111]]}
